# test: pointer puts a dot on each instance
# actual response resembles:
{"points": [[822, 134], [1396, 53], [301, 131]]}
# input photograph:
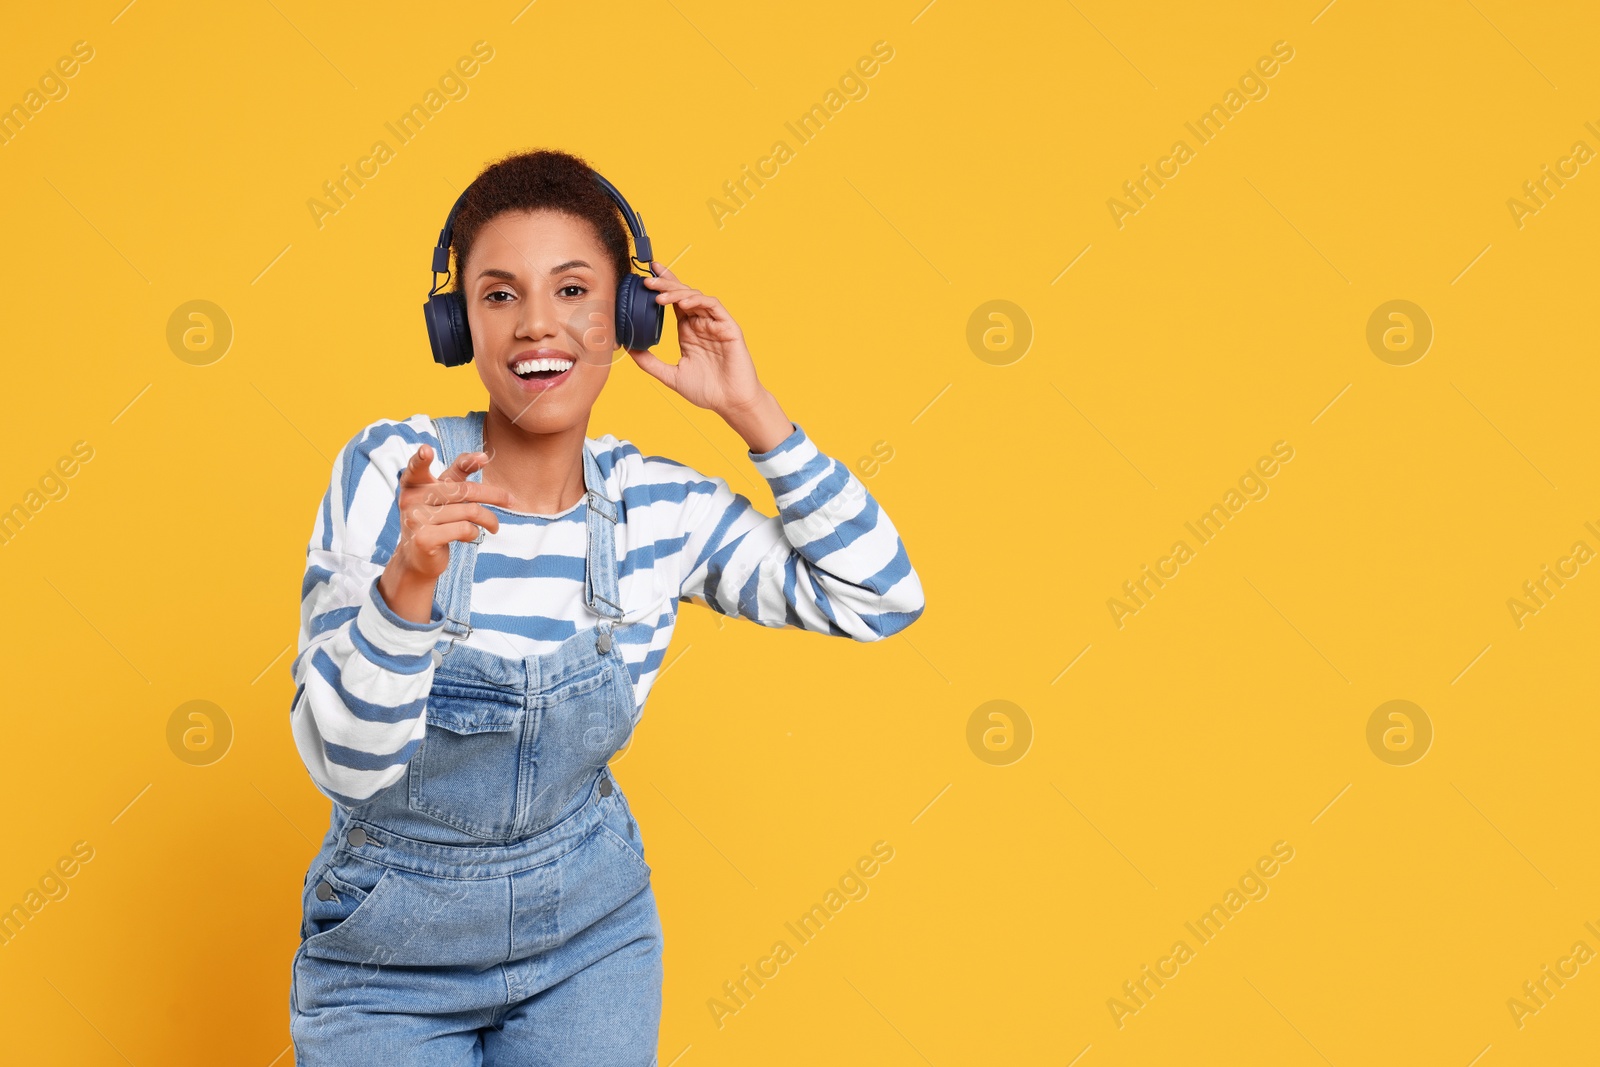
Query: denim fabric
{"points": [[493, 906]]}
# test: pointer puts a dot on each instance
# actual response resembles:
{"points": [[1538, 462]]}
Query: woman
{"points": [[486, 603]]}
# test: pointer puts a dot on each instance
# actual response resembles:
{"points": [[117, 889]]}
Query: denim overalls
{"points": [[493, 906]]}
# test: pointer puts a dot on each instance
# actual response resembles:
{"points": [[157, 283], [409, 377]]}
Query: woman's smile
{"points": [[542, 369]]}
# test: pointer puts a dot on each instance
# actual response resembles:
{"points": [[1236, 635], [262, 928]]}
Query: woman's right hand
{"points": [[434, 512]]}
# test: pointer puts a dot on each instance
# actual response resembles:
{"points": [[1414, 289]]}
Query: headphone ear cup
{"points": [[448, 333], [639, 317]]}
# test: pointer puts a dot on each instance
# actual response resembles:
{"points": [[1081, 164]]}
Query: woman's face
{"points": [[541, 297]]}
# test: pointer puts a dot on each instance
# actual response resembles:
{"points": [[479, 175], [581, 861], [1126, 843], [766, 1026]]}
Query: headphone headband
{"points": [[635, 223]]}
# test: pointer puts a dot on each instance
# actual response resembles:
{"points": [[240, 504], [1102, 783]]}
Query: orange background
{"points": [[1039, 861]]}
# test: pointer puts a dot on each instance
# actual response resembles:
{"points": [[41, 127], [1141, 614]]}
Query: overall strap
{"points": [[600, 568], [458, 434], [464, 433]]}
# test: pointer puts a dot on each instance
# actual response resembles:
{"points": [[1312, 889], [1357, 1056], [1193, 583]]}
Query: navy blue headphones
{"points": [[638, 316]]}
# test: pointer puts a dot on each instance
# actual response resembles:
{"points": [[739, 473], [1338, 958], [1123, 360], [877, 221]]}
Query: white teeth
{"points": [[528, 366]]}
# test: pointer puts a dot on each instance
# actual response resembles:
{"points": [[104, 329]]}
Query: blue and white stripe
{"points": [[830, 561]]}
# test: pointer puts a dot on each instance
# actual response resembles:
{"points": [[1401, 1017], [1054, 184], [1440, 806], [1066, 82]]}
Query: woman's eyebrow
{"points": [[495, 272]]}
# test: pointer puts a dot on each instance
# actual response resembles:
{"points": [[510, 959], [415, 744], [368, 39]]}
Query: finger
{"points": [[662, 270], [431, 536], [700, 304], [455, 492], [655, 366], [418, 470], [673, 295], [469, 510], [464, 465]]}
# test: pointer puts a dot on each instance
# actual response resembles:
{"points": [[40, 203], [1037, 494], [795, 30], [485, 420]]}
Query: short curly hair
{"points": [[541, 179]]}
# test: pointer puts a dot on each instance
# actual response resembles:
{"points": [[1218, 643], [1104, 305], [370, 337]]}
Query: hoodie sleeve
{"points": [[830, 561], [363, 673]]}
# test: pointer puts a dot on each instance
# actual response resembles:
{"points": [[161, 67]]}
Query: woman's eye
{"points": [[580, 289], [491, 295]]}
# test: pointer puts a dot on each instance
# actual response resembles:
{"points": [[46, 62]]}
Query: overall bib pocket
{"points": [[585, 727], [581, 725], [469, 769]]}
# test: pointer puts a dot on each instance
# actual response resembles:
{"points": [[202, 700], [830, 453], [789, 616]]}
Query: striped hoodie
{"points": [[830, 562]]}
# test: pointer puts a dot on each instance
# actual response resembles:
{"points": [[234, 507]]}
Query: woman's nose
{"points": [[538, 317]]}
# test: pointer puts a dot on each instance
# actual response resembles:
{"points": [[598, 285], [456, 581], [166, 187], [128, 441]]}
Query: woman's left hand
{"points": [[715, 370]]}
